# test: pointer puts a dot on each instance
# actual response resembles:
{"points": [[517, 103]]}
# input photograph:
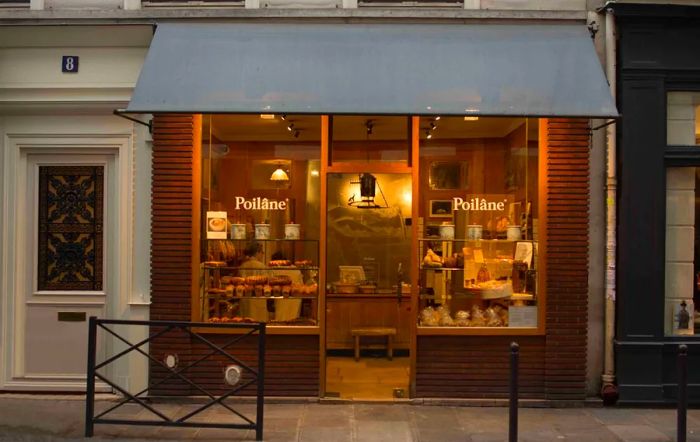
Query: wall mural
{"points": [[70, 227]]}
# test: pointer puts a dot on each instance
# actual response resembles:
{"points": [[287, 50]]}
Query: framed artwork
{"points": [[448, 175], [352, 274], [523, 252], [440, 208]]}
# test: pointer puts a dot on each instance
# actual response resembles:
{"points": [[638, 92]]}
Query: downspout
{"points": [[609, 390]]}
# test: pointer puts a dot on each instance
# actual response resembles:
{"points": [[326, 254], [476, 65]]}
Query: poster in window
{"points": [[683, 320], [216, 225]]}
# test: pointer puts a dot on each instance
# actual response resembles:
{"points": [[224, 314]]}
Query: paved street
{"points": [[51, 418]]}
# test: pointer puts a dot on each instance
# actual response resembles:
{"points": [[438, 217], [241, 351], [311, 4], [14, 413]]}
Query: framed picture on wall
{"points": [[440, 208], [448, 175]]}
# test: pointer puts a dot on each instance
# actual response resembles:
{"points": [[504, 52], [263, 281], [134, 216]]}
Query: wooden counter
{"points": [[344, 312]]}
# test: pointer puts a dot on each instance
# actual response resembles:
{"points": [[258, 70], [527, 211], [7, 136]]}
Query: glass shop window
{"points": [[370, 139], [682, 293], [478, 221], [683, 119], [260, 218]]}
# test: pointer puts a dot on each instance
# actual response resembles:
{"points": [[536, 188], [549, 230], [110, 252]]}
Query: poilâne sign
{"points": [[478, 204], [258, 203]]}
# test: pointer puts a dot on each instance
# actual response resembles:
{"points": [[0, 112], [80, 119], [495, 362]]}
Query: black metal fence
{"points": [[237, 376], [681, 430]]}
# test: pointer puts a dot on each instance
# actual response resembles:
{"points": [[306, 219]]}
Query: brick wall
{"points": [[553, 366], [292, 362]]}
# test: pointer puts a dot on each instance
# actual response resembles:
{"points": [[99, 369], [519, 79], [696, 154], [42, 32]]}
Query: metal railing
{"points": [[682, 411], [157, 329]]}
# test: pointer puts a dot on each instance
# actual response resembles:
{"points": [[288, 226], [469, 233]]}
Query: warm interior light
{"points": [[471, 118], [267, 116], [407, 197], [315, 173], [279, 175]]}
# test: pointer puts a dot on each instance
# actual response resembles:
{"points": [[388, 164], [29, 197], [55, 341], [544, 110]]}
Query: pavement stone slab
{"points": [[638, 433], [490, 436], [381, 412], [482, 420], [280, 436], [326, 435], [444, 434], [600, 434], [617, 416], [381, 431], [540, 436], [434, 417]]}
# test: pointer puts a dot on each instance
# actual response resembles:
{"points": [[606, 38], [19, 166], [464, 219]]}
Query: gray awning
{"points": [[414, 69]]}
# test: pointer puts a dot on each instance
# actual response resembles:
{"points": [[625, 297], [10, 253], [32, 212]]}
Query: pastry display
{"points": [[432, 259], [228, 278], [280, 263], [484, 275], [303, 263]]}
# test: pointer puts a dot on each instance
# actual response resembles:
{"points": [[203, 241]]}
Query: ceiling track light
{"points": [[433, 126], [283, 117], [290, 127], [297, 133], [369, 125], [428, 135], [437, 118]]}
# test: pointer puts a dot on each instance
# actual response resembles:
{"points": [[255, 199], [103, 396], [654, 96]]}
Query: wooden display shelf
{"points": [[238, 298], [270, 330], [248, 269], [479, 331], [404, 296]]}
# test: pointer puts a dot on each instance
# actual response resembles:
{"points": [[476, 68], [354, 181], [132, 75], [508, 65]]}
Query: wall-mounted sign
{"points": [[69, 64], [259, 203], [479, 204]]}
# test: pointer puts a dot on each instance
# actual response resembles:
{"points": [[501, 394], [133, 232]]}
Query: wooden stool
{"points": [[389, 332]]}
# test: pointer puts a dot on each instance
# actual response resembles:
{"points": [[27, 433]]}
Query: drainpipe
{"points": [[609, 390]]}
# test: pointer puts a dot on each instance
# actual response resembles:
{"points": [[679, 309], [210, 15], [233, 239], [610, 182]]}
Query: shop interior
{"points": [[369, 230]]}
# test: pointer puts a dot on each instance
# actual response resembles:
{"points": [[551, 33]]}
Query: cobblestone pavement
{"points": [[51, 418]]}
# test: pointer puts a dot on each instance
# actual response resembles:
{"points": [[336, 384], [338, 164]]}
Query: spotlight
{"points": [[290, 127], [369, 125], [283, 117], [433, 126], [437, 118], [428, 135]]}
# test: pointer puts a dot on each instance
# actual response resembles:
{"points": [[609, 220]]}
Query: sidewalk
{"points": [[52, 418]]}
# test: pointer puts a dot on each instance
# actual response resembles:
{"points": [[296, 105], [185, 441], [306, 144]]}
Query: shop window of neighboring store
{"points": [[478, 224], [683, 119], [260, 218], [370, 139], [682, 290]]}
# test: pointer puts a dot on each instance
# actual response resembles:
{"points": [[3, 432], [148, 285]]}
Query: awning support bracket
{"points": [[606, 124], [122, 113]]}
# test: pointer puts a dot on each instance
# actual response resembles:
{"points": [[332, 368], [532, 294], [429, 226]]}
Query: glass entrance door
{"points": [[367, 295], [368, 258]]}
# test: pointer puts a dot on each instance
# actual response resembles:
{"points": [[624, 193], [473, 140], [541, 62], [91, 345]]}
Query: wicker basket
{"points": [[346, 288]]}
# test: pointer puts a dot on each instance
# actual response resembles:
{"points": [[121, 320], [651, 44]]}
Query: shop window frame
{"points": [[676, 156]]}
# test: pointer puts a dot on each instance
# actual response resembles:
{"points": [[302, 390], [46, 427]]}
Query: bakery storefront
{"points": [[397, 202]]}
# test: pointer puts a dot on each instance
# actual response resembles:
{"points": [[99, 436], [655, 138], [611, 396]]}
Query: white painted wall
{"points": [[38, 100]]}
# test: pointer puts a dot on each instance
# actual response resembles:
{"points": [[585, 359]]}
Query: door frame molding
{"points": [[116, 149]]}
